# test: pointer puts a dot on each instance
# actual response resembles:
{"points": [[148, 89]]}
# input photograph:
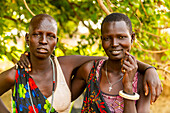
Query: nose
{"points": [[43, 39], [115, 42]]}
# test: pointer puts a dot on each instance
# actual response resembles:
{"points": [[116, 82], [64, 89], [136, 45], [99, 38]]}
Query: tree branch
{"points": [[92, 30], [139, 30], [143, 8], [103, 7], [108, 4], [10, 18], [25, 3], [150, 51]]}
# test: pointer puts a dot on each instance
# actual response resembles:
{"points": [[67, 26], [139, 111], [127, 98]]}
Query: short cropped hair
{"points": [[118, 17], [41, 17]]}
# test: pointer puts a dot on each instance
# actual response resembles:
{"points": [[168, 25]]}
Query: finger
{"points": [[22, 65], [146, 88], [132, 60], [128, 64], [25, 61], [158, 92], [153, 94], [127, 53], [19, 63]]}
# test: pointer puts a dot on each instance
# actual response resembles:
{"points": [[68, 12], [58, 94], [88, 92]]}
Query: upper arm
{"points": [[7, 80], [77, 60], [80, 79], [143, 104]]}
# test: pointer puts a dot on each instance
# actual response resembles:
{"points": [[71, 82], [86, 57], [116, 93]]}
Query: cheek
{"points": [[53, 44], [105, 45], [127, 44]]}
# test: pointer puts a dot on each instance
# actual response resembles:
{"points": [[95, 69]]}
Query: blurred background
{"points": [[79, 34]]}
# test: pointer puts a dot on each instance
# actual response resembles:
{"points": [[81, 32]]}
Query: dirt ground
{"points": [[162, 105]]}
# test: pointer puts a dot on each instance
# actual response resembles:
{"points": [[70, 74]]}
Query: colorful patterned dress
{"points": [[95, 101], [21, 99]]}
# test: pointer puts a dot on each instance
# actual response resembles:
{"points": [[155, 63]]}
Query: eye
{"points": [[50, 36], [36, 35], [106, 38], [121, 37]]}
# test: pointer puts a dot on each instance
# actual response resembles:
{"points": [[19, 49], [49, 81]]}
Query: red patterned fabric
{"points": [[95, 101]]}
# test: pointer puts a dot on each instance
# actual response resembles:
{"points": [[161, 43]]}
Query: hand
{"points": [[24, 62], [152, 80], [130, 66]]}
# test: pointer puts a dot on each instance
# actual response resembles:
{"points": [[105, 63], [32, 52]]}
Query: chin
{"points": [[42, 56], [118, 57]]}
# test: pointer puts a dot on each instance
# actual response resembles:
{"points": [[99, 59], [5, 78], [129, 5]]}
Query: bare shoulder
{"points": [[7, 79], [9, 74]]}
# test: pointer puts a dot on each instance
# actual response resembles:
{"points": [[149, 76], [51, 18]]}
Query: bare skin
{"points": [[116, 40], [42, 39]]}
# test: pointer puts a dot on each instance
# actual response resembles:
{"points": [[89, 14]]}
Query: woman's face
{"points": [[42, 37], [116, 39]]}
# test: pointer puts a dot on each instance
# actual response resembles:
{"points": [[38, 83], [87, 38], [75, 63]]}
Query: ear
{"points": [[132, 37], [27, 38]]}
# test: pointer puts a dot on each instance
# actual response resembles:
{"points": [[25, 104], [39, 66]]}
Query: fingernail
{"points": [[145, 93], [29, 65], [26, 54], [29, 69], [151, 103], [126, 52], [21, 66]]}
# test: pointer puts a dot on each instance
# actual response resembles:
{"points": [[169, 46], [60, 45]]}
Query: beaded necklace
{"points": [[52, 89]]}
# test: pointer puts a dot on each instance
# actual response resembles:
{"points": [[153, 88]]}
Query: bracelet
{"points": [[148, 68], [128, 96]]}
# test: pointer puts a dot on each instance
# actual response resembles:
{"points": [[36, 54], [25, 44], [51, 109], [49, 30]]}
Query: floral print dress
{"points": [[21, 102]]}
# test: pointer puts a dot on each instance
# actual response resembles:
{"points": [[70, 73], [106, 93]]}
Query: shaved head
{"points": [[42, 20]]}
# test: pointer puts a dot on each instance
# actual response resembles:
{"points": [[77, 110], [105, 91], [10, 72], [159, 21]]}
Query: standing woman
{"points": [[114, 85], [48, 84]]}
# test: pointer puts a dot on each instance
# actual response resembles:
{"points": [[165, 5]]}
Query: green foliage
{"points": [[149, 18]]}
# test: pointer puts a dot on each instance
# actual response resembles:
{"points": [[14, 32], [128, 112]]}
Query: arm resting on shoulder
{"points": [[151, 80]]}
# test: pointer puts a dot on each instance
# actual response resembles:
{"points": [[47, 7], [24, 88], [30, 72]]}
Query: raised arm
{"points": [[143, 105]]}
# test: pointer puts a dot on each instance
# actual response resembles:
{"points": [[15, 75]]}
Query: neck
{"points": [[40, 65], [114, 66]]}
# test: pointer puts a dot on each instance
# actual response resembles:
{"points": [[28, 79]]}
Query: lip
{"points": [[42, 50], [115, 52]]}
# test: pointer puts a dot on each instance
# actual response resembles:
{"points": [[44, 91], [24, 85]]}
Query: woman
{"points": [[30, 90], [47, 84], [113, 85]]}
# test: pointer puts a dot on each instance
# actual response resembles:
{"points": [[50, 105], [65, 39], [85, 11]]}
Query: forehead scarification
{"points": [[43, 22]]}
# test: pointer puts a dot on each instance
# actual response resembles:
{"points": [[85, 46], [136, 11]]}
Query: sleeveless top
{"points": [[21, 102], [95, 100]]}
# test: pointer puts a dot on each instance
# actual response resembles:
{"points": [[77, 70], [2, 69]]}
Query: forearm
{"points": [[129, 106], [3, 108], [142, 66]]}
